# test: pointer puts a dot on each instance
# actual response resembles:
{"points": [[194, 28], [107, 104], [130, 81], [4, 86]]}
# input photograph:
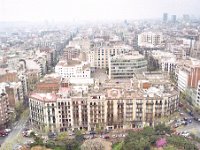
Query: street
{"points": [[193, 128], [190, 127], [15, 137]]}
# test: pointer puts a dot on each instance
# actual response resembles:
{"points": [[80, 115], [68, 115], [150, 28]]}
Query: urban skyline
{"points": [[92, 10]]}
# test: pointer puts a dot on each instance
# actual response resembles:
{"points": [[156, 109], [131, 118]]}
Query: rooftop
{"points": [[44, 97], [69, 63]]}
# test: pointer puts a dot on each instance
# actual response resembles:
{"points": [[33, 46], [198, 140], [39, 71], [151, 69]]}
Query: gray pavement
{"points": [[15, 136], [193, 127]]}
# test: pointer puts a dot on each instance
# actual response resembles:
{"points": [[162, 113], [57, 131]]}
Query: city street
{"points": [[190, 127], [15, 137]]}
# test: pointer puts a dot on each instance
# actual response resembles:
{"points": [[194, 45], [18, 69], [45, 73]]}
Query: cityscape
{"points": [[116, 75]]}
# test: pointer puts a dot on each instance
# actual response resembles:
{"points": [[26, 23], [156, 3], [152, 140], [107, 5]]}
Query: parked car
{"points": [[92, 132], [3, 133], [190, 121], [7, 130], [185, 133], [106, 137], [177, 124], [71, 133], [197, 119], [52, 135], [191, 113]]}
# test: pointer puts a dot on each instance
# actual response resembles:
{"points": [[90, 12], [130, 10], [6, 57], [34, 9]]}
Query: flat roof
{"points": [[44, 97]]}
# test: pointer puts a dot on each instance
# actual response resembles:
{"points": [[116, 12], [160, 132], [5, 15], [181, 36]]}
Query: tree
{"points": [[181, 142], [99, 128], [136, 141], [170, 147], [63, 136], [72, 145], [162, 129], [79, 136], [19, 108]]}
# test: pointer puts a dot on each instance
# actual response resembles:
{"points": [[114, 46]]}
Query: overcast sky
{"points": [[69, 10]]}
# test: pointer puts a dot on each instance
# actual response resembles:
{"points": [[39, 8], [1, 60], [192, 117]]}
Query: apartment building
{"points": [[43, 112], [188, 74], [150, 39], [124, 66], [71, 53], [4, 116], [73, 69], [99, 56], [197, 98], [115, 104]]}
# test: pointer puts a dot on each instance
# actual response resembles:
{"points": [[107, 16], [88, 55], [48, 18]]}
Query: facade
{"points": [[99, 56], [15, 93], [4, 116], [183, 78], [169, 65], [8, 76], [150, 39], [197, 101], [165, 18], [42, 111], [188, 74], [73, 69], [173, 18], [112, 106], [124, 66], [71, 53]]}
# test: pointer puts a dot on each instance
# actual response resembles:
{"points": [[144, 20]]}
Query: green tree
{"points": [[79, 136], [136, 141], [181, 142], [162, 129], [170, 147], [63, 136], [19, 109]]}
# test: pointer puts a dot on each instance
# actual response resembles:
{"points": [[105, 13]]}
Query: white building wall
{"points": [[197, 102], [76, 71], [182, 80]]}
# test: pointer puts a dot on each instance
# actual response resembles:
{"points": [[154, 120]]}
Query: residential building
{"points": [[15, 93], [114, 104], [150, 39], [71, 53], [197, 100], [188, 74], [99, 56], [43, 112], [48, 84], [4, 106], [73, 69]]}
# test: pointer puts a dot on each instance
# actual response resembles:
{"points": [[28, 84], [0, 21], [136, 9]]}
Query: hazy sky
{"points": [[69, 10]]}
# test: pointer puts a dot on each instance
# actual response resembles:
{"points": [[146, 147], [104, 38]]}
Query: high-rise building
{"points": [[173, 18], [165, 17]]}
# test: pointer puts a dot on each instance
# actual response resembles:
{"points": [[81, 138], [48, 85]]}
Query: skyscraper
{"points": [[165, 17], [173, 19]]}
